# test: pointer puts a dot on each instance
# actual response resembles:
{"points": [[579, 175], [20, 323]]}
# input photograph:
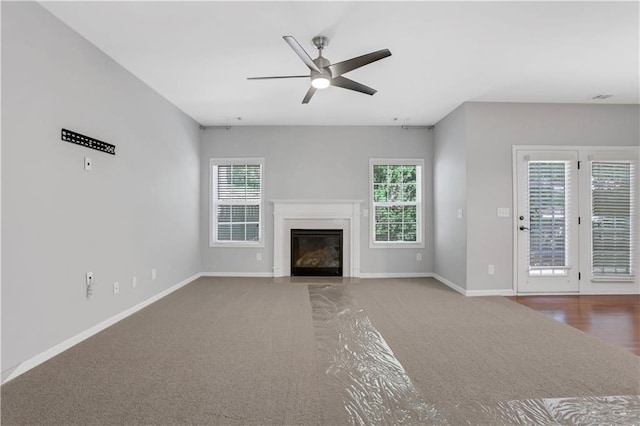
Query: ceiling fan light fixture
{"points": [[321, 82]]}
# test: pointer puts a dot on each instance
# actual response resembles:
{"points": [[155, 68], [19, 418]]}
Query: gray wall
{"points": [[316, 163], [450, 195], [135, 211], [492, 130]]}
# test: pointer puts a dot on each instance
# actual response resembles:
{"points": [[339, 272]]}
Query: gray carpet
{"points": [[244, 351], [490, 349]]}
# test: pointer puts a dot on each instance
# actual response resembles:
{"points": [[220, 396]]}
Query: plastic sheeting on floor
{"points": [[361, 367], [364, 377], [597, 411]]}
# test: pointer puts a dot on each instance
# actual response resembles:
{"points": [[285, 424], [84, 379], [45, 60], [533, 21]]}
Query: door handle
{"points": [[523, 228]]}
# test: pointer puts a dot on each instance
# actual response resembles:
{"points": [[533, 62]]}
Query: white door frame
{"points": [[584, 152]]}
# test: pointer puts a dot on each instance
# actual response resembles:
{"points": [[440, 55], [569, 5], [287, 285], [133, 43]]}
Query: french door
{"points": [[547, 221], [576, 220]]}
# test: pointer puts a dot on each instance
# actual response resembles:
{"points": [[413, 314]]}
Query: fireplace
{"points": [[316, 214], [316, 252]]}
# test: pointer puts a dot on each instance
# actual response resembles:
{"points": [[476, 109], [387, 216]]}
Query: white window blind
{"points": [[549, 192], [612, 221], [237, 202]]}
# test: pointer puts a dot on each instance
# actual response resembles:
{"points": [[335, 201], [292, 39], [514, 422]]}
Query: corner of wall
{"points": [[450, 207]]}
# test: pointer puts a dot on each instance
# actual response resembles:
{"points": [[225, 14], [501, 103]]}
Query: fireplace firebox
{"points": [[316, 252]]}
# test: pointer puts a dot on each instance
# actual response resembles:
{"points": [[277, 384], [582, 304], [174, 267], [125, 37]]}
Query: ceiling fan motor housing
{"points": [[322, 63]]}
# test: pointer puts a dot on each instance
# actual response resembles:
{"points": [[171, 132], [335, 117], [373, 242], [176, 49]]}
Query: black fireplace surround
{"points": [[316, 252]]}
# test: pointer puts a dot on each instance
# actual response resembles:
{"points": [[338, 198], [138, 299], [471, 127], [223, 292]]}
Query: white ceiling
{"points": [[199, 54]]}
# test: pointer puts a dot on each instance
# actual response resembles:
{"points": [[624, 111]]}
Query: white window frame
{"points": [[419, 163], [213, 217]]}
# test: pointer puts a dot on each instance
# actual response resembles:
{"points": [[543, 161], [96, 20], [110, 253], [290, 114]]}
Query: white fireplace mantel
{"points": [[314, 214]]}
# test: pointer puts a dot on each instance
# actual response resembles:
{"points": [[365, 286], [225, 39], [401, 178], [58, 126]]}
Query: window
{"points": [[396, 197], [549, 193], [236, 202], [612, 219]]}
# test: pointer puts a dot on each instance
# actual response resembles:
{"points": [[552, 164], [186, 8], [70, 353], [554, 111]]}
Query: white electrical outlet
{"points": [[90, 279], [153, 274], [116, 288], [258, 256], [418, 257], [134, 282], [492, 269], [87, 163], [460, 213]]}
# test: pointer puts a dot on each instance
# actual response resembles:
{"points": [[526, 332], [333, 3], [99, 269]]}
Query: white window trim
{"points": [[213, 228], [420, 204]]}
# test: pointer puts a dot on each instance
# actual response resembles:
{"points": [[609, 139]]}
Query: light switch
{"points": [[87, 163], [460, 213], [503, 211]]}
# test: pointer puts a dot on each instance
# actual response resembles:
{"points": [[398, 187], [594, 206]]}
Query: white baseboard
{"points": [[396, 275], [238, 274], [72, 341], [450, 284], [474, 293], [492, 292], [361, 275]]}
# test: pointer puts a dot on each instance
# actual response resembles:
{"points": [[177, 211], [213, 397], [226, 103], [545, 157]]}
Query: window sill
{"points": [[396, 245], [237, 244], [626, 279]]}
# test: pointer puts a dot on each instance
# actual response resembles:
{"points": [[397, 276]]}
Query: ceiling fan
{"points": [[323, 73]]}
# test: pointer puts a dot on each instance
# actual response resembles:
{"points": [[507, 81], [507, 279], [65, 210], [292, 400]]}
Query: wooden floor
{"points": [[615, 319]]}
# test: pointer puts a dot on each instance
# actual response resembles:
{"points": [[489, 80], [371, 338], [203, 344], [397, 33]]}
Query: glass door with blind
{"points": [[576, 220], [547, 221], [609, 235]]}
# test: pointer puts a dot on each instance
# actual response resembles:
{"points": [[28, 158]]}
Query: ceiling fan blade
{"points": [[309, 94], [278, 76], [357, 62], [301, 53], [345, 83]]}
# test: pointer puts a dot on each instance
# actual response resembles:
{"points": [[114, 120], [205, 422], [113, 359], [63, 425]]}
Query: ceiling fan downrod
{"points": [[320, 42]]}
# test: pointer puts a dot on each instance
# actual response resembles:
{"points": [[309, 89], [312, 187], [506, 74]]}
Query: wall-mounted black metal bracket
{"points": [[77, 138]]}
